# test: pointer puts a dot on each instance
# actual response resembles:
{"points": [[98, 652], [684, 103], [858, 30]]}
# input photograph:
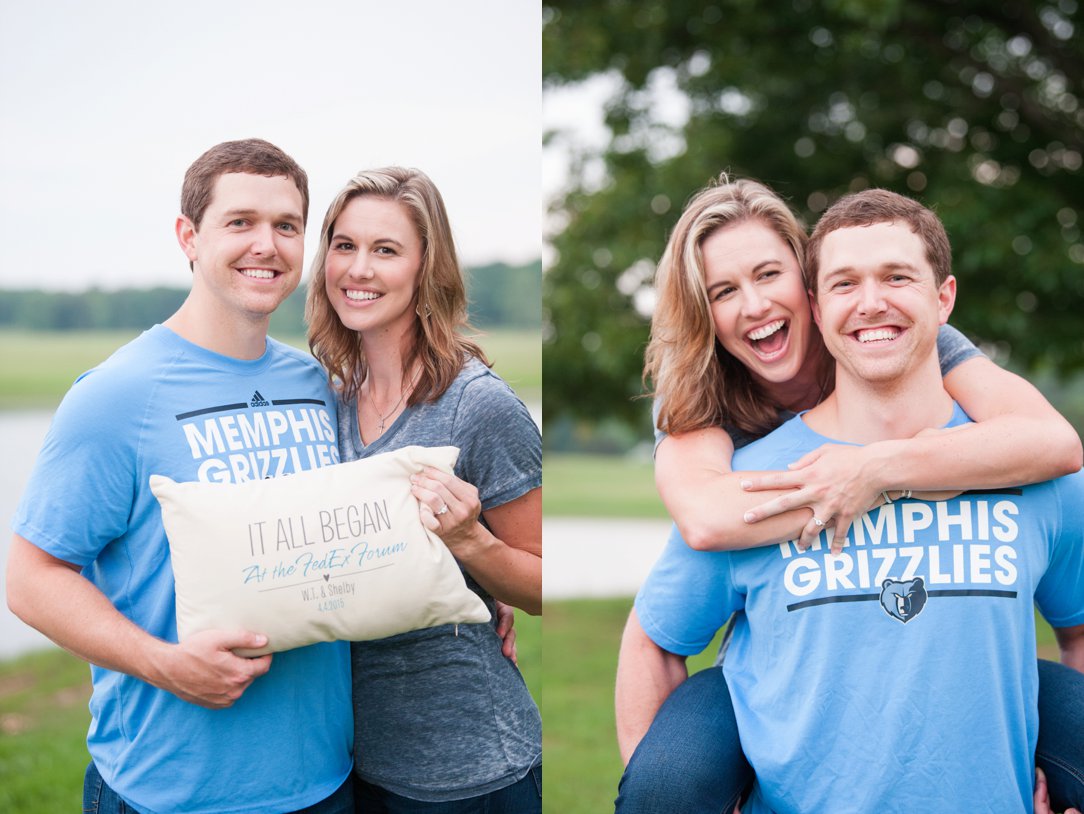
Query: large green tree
{"points": [[974, 107]]}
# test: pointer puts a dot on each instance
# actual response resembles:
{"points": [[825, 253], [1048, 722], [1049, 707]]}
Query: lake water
{"points": [[21, 434]]}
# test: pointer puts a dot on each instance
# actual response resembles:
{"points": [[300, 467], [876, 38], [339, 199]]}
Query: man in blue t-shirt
{"points": [[206, 396], [900, 674]]}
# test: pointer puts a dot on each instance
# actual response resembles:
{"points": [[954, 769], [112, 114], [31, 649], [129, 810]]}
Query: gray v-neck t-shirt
{"points": [[440, 714]]}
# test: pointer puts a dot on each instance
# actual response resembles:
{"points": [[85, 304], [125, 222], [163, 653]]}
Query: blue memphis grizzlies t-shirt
{"points": [[900, 675], [161, 405]]}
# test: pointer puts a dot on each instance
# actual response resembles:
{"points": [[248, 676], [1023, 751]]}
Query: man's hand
{"points": [[506, 620], [203, 669], [1042, 796]]}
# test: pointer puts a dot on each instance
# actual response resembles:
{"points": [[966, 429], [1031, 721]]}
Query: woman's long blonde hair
{"points": [[441, 305], [697, 381]]}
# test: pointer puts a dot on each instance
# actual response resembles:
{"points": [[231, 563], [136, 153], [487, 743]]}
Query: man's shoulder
{"points": [[292, 367], [1069, 489], [786, 443], [290, 355], [128, 370], [288, 351]]}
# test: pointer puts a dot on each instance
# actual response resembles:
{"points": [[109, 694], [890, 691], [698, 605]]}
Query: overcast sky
{"points": [[104, 105]]}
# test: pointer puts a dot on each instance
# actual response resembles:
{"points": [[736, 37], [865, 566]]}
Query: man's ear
{"points": [[813, 307], [186, 236], [946, 299]]}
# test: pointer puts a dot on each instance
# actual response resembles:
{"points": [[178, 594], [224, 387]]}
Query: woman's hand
{"points": [[1042, 796], [834, 481], [838, 483], [449, 508], [504, 555]]}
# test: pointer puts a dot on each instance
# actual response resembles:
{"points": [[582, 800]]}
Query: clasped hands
{"points": [[838, 483]]}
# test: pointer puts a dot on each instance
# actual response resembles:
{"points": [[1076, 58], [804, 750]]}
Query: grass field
{"points": [[43, 727], [44, 719], [36, 369], [578, 735], [599, 486]]}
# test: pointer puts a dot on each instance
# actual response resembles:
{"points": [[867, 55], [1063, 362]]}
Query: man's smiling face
{"points": [[878, 303], [249, 247]]}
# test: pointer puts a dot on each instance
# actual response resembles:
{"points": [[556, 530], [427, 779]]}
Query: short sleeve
{"points": [[500, 444], [1060, 593], [687, 597], [81, 490], [953, 348]]}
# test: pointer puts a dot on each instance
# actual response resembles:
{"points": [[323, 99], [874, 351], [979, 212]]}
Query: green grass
{"points": [[43, 728], [37, 368], [599, 486], [579, 744], [44, 720]]}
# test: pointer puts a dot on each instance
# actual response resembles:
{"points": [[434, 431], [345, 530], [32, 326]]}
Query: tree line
{"points": [[974, 108], [501, 296]]}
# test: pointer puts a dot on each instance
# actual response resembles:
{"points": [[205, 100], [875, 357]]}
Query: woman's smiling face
{"points": [[758, 300], [373, 266]]}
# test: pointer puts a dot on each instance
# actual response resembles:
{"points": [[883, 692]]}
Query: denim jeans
{"points": [[1060, 751], [523, 797], [690, 760], [99, 798]]}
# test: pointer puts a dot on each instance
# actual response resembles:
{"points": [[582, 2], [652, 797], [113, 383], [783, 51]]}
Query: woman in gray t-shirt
{"points": [[440, 715]]}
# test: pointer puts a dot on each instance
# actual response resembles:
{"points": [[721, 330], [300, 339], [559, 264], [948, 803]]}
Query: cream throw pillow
{"points": [[337, 552]]}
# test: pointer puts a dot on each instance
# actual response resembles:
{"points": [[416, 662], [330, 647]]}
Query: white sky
{"points": [[103, 105]]}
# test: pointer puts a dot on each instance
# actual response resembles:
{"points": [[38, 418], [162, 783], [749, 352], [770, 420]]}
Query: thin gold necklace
{"points": [[390, 413]]}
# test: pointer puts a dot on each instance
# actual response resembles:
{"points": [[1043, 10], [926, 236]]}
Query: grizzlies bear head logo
{"points": [[903, 600]]}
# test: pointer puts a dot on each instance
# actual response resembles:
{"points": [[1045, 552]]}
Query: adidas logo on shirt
{"points": [[258, 400]]}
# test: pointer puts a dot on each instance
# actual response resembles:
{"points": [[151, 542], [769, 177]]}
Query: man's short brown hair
{"points": [[254, 156], [881, 206]]}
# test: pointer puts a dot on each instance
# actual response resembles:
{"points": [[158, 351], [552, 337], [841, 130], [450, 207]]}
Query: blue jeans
{"points": [[99, 798], [523, 797], [690, 760], [1060, 750]]}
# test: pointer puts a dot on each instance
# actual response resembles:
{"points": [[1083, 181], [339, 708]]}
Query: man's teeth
{"points": [[766, 330], [258, 274], [878, 334], [361, 295]]}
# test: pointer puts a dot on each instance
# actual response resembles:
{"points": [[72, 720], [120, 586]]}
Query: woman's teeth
{"points": [[765, 331]]}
